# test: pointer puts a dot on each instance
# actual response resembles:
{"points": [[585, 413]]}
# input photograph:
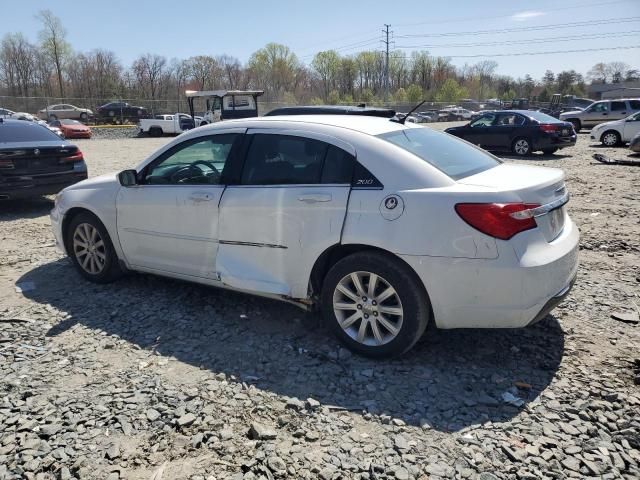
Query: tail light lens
{"points": [[548, 128], [499, 220], [75, 157]]}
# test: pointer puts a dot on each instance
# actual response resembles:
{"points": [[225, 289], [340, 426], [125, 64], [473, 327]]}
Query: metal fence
{"points": [[179, 104]]}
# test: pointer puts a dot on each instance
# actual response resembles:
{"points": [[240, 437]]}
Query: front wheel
{"points": [[375, 304], [91, 250], [521, 147], [610, 138]]}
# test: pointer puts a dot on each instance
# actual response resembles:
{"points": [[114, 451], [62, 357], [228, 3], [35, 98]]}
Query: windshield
{"points": [[454, 157], [70, 122]]}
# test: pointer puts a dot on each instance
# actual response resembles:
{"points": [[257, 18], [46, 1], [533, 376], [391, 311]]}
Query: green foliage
{"points": [[544, 96], [366, 95], [400, 96], [451, 91], [316, 101], [289, 98], [333, 98], [347, 99], [414, 93]]}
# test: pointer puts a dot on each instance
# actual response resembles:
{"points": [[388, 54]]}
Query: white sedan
{"points": [[617, 132], [385, 227]]}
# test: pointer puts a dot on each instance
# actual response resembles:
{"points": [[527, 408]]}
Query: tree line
{"points": [[51, 68]]}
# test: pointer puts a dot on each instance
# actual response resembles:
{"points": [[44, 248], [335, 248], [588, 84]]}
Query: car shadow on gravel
{"points": [[25, 208], [538, 156], [450, 380]]}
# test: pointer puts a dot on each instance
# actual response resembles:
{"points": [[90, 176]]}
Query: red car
{"points": [[72, 128]]}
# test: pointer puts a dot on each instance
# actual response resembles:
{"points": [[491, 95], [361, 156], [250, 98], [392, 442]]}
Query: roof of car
{"points": [[332, 110], [359, 123]]}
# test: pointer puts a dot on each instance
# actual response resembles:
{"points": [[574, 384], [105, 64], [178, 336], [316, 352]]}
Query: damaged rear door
{"points": [[285, 208]]}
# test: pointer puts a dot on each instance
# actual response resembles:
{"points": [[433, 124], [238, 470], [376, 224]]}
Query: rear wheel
{"points": [[155, 131], [375, 304], [610, 138], [521, 146], [83, 117], [91, 250]]}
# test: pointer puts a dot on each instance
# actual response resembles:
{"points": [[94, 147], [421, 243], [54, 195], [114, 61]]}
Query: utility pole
{"points": [[386, 63]]}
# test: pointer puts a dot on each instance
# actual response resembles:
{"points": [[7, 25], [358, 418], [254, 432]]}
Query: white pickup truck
{"points": [[166, 124]]}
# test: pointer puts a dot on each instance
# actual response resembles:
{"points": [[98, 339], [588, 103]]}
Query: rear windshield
{"points": [[452, 156], [542, 117], [26, 132]]}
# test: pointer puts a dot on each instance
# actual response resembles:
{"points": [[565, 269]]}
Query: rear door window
{"points": [[634, 104], [618, 106], [283, 160], [455, 158]]}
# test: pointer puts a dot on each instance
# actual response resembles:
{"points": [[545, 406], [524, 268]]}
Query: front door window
{"points": [[200, 161]]}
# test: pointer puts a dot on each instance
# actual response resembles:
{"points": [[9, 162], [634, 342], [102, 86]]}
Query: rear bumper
{"points": [[33, 186], [514, 290], [555, 142]]}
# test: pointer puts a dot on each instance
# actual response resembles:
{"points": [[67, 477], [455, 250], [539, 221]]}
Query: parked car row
{"points": [[113, 112]]}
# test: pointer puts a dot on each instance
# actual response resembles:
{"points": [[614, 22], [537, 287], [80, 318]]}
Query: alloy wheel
{"points": [[89, 248], [368, 308], [610, 139], [521, 147]]}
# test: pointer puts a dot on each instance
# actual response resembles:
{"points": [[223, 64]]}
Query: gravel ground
{"points": [[155, 378]]}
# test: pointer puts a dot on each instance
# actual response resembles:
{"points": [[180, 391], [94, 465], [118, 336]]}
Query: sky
{"points": [[481, 29]]}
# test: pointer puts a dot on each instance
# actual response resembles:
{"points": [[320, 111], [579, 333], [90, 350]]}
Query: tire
{"points": [[101, 265], [610, 138], [202, 124], [84, 117], [408, 297], [577, 124], [52, 118], [155, 131], [549, 151], [521, 146]]}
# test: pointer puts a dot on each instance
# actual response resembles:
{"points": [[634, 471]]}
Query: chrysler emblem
{"points": [[36, 152]]}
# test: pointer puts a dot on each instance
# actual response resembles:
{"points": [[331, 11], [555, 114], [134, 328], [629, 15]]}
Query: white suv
{"points": [[385, 227]]}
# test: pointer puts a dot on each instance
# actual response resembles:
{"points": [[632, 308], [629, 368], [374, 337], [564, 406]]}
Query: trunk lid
{"points": [[28, 160], [540, 185]]}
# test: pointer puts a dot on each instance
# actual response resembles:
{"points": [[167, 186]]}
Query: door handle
{"points": [[201, 197], [314, 197]]}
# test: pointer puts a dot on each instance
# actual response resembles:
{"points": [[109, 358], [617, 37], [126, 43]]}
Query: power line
{"points": [[464, 19], [349, 46], [526, 29], [586, 36], [518, 54]]}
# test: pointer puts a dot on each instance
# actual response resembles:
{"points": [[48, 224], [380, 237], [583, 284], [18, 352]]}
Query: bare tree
{"points": [[53, 39]]}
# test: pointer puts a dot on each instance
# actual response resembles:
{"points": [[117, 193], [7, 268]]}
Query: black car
{"points": [[332, 110], [35, 161], [119, 112], [519, 131]]}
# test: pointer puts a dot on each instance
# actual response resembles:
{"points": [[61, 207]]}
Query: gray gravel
{"points": [[154, 378]]}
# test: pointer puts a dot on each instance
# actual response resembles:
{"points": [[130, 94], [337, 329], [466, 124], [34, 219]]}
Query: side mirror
{"points": [[128, 178]]}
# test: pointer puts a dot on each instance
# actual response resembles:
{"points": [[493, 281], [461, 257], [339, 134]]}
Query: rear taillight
{"points": [[497, 219], [76, 157], [548, 127]]}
